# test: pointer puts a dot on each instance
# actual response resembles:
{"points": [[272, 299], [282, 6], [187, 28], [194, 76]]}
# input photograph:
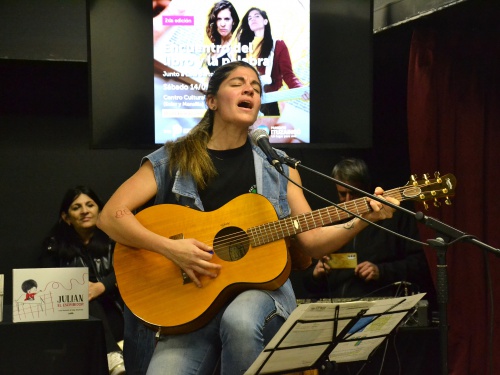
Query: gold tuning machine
{"points": [[437, 176], [437, 203], [413, 178], [426, 178]]}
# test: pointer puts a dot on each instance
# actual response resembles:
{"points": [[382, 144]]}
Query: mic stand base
{"points": [[442, 300]]}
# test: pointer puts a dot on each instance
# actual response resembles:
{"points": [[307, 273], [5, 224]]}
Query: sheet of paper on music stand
{"points": [[309, 338], [360, 350], [312, 331]]}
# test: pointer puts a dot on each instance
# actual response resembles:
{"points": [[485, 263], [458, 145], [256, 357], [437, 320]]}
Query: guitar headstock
{"points": [[427, 189]]}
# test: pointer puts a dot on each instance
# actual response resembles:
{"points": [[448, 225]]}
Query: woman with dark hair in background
{"points": [[275, 65], [75, 241], [222, 22]]}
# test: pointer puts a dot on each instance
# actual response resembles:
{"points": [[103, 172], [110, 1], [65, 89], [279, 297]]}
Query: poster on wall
{"points": [[192, 38], [43, 294]]}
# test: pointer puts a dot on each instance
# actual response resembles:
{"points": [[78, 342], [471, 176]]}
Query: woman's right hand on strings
{"points": [[194, 257]]}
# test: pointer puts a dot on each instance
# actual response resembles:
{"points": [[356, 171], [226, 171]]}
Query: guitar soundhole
{"points": [[231, 244]]}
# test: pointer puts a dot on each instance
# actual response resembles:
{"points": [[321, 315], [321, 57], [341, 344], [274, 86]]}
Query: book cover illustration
{"points": [[42, 294]]}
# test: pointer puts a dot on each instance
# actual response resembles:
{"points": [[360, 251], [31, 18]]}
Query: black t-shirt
{"points": [[236, 176]]}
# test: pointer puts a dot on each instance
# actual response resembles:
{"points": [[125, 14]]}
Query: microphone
{"points": [[261, 138]]}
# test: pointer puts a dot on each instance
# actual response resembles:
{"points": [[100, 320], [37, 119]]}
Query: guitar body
{"points": [[159, 293]]}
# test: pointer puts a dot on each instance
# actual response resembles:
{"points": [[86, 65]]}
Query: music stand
{"points": [[320, 335]]}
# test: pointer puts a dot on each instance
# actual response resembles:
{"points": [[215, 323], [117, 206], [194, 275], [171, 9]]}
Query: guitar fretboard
{"points": [[270, 232]]}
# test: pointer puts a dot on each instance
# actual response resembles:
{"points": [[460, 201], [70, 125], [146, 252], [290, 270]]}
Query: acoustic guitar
{"points": [[248, 241]]}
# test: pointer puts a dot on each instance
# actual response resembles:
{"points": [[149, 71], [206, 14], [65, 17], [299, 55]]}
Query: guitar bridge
{"points": [[185, 278]]}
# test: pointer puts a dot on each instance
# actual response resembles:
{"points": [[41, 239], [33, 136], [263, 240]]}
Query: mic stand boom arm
{"points": [[430, 222], [291, 162]]}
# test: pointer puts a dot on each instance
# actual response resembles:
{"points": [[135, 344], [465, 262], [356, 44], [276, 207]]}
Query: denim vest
{"points": [[270, 183]]}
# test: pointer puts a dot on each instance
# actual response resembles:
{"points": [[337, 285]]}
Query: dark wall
{"points": [[44, 149], [45, 136], [53, 30]]}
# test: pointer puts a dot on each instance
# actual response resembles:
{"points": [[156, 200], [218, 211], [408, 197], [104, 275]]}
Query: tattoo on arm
{"points": [[121, 213], [349, 224]]}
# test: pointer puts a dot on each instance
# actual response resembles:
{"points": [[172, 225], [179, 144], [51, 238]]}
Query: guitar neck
{"points": [[270, 232]]}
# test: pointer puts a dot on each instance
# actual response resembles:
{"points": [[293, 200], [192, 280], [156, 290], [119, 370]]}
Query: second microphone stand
{"points": [[446, 235]]}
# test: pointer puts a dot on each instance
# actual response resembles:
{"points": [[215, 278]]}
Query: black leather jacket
{"points": [[100, 266]]}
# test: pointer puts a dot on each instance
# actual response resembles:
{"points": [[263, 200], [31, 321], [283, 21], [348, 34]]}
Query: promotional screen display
{"points": [[149, 65], [191, 38]]}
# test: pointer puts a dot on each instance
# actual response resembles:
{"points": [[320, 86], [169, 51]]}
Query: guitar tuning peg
{"points": [[426, 178], [437, 175], [437, 203], [447, 201], [426, 206], [413, 177]]}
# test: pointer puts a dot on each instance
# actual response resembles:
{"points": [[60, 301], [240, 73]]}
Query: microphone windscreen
{"points": [[258, 134]]}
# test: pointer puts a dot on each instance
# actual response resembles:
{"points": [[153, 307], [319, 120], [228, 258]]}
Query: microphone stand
{"points": [[440, 244]]}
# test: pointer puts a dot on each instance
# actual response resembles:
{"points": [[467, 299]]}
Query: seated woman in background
{"points": [[75, 241]]}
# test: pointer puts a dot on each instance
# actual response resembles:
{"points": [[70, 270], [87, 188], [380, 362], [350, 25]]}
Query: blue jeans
{"points": [[138, 344], [236, 336]]}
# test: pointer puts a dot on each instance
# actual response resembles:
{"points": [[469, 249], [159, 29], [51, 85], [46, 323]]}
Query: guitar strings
{"points": [[263, 234], [270, 232]]}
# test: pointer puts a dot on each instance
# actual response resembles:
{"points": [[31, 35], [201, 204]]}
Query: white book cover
{"points": [[42, 294]]}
